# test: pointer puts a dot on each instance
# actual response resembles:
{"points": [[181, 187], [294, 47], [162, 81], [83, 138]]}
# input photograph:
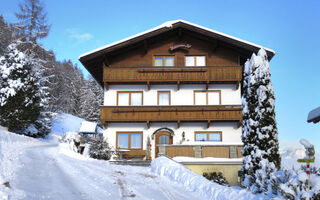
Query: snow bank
{"points": [[63, 123], [184, 159], [193, 182], [11, 147]]}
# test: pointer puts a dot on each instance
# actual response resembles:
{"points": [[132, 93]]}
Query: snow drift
{"points": [[164, 166]]}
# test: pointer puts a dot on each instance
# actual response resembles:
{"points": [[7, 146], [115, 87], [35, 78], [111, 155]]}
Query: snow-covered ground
{"points": [[47, 169]]}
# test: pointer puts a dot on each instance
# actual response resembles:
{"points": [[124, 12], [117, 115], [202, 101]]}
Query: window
{"points": [[131, 98], [209, 97], [129, 140], [208, 136], [164, 139], [160, 61], [195, 61], [164, 98]]}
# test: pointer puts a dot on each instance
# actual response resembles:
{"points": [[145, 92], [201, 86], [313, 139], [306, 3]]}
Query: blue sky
{"points": [[291, 28]]}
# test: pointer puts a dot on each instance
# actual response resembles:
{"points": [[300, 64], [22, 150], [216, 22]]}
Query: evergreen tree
{"points": [[91, 99], [32, 23], [19, 95], [41, 61], [6, 35], [259, 132]]}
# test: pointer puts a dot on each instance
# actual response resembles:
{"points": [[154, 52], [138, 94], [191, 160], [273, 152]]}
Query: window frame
{"points": [[207, 95], [130, 92], [208, 133], [195, 60], [129, 138], [163, 60], [163, 91]]}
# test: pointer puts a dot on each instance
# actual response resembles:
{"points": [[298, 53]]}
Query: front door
{"points": [[162, 137]]}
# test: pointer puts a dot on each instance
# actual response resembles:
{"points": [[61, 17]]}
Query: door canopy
{"points": [[170, 131]]}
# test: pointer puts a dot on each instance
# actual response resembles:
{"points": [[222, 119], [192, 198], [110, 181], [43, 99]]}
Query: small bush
{"points": [[216, 177], [99, 149]]}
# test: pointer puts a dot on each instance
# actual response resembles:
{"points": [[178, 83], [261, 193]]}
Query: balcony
{"points": [[176, 114], [202, 150], [172, 75]]}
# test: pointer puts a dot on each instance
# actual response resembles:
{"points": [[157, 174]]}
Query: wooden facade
{"points": [[171, 113]]}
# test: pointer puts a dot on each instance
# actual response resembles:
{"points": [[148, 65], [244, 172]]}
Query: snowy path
{"points": [[46, 173]]}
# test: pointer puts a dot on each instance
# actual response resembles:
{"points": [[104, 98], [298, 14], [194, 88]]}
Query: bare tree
{"points": [[32, 20]]}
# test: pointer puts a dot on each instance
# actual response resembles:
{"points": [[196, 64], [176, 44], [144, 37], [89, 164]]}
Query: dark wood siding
{"points": [[142, 55]]}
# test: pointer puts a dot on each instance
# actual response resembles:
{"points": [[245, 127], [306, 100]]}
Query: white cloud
{"points": [[77, 35]]}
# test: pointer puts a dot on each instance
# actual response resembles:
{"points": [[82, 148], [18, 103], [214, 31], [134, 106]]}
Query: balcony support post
{"points": [[178, 85], [148, 124], [208, 123], [237, 84], [106, 86], [148, 85], [105, 124], [207, 85], [178, 123], [239, 123]]}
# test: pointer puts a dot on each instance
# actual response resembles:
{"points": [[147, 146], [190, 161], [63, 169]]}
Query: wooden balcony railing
{"points": [[177, 75], [177, 114], [201, 151]]}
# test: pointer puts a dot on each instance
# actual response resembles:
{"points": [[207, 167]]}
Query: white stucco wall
{"points": [[185, 96], [231, 133]]}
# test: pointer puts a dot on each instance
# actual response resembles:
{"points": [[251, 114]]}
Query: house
{"points": [[88, 131], [314, 115], [178, 84]]}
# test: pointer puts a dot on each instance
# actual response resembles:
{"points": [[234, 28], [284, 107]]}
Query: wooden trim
{"points": [[207, 96], [163, 91], [187, 113], [163, 60], [130, 92], [129, 135], [166, 133], [207, 132], [195, 59]]}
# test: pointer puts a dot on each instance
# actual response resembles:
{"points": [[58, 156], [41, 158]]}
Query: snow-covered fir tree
{"points": [[41, 61], [91, 99], [6, 35], [19, 94], [259, 132]]}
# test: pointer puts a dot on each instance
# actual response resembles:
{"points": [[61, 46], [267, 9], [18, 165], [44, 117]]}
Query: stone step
{"points": [[132, 162]]}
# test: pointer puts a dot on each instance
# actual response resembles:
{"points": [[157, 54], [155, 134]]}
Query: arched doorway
{"points": [[162, 137]]}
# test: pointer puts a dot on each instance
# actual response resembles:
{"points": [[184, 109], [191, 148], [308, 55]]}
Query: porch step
{"points": [[143, 163]]}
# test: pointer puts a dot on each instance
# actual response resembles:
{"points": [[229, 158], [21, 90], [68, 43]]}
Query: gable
{"points": [[226, 47]]}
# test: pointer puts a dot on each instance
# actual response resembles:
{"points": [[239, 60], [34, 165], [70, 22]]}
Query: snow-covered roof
{"points": [[169, 25], [88, 127], [314, 115]]}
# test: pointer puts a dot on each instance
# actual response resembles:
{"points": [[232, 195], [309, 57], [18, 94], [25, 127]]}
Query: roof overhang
{"points": [[314, 115]]}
